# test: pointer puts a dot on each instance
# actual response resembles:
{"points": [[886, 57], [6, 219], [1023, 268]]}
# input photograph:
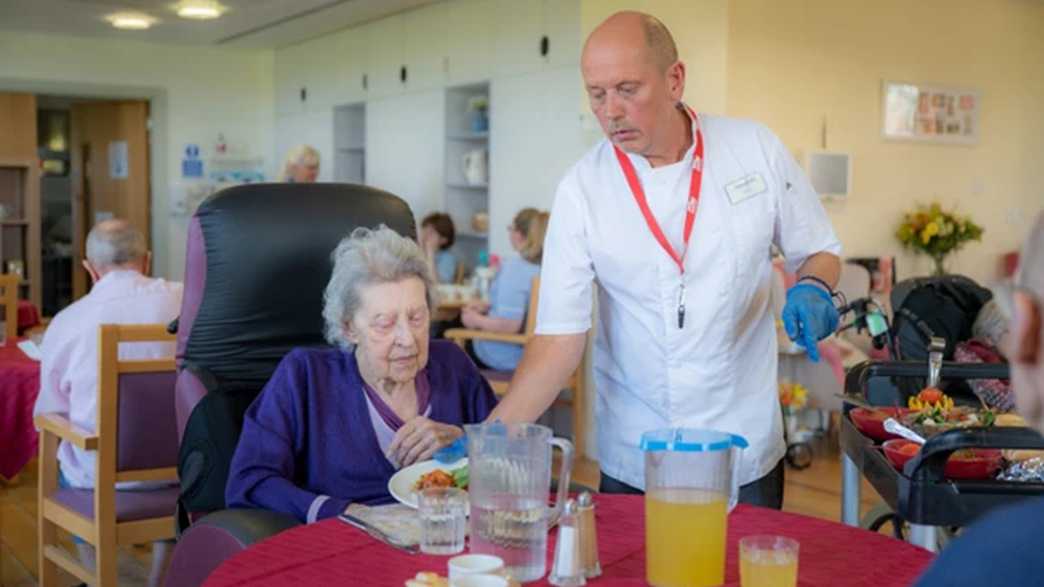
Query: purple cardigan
{"points": [[308, 447]]}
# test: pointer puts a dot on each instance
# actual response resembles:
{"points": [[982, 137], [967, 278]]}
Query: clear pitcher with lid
{"points": [[510, 480], [691, 483]]}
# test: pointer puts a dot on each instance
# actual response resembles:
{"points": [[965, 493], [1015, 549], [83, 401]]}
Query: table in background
{"points": [[19, 386], [333, 553], [28, 316]]}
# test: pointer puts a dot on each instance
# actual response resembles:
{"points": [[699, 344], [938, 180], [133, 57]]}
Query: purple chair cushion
{"points": [[130, 505], [147, 437]]}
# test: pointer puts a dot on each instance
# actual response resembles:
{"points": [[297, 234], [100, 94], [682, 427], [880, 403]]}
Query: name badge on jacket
{"points": [[745, 187]]}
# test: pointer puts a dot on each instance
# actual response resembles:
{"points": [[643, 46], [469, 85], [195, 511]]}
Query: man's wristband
{"points": [[818, 282]]}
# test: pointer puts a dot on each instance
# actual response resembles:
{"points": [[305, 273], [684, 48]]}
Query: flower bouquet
{"points": [[936, 233]]}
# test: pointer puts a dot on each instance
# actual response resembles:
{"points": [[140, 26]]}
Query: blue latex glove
{"points": [[809, 316], [452, 452]]}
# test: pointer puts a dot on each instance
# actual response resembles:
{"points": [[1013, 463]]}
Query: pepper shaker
{"points": [[566, 570]]}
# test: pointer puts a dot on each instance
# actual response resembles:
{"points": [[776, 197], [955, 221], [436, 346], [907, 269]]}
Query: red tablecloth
{"points": [[19, 385], [28, 315], [333, 553]]}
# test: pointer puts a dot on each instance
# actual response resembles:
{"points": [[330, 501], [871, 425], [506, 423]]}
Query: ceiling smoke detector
{"points": [[199, 9], [133, 21]]}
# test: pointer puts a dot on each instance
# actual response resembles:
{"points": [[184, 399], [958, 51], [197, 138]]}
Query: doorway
{"points": [[94, 157]]}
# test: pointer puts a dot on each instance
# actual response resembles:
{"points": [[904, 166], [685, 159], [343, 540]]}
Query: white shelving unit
{"points": [[467, 194], [350, 143]]}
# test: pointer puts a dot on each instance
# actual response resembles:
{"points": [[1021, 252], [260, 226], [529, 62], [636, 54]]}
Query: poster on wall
{"points": [[920, 112]]}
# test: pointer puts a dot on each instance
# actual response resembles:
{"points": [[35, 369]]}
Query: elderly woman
{"points": [[301, 165], [333, 424]]}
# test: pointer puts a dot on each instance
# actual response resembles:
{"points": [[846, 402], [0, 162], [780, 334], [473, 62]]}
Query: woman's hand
{"points": [[419, 438], [471, 318], [478, 306]]}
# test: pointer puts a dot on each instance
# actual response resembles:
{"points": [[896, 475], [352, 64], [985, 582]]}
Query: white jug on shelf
{"points": [[476, 167]]}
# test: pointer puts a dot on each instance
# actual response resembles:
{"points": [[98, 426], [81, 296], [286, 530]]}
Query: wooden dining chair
{"points": [[135, 440], [9, 283], [576, 397]]}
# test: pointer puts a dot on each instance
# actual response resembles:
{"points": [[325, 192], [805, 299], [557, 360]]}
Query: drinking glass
{"points": [[768, 561], [443, 513]]}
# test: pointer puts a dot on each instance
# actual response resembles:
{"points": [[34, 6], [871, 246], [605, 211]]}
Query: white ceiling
{"points": [[247, 23]]}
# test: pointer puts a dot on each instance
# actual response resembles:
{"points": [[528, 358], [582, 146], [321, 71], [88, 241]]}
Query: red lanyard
{"points": [[690, 207]]}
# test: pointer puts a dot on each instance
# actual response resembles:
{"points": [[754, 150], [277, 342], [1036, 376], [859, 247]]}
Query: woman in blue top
{"points": [[509, 292], [334, 424]]}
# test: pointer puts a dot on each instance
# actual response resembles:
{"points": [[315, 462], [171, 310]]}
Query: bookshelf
{"points": [[20, 224]]}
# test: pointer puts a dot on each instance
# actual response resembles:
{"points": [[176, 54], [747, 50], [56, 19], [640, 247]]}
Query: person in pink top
{"points": [[122, 293]]}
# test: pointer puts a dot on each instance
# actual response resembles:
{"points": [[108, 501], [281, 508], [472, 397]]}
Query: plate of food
{"points": [[405, 484]]}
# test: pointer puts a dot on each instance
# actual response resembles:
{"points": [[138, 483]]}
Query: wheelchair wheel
{"points": [[881, 514], [799, 455]]}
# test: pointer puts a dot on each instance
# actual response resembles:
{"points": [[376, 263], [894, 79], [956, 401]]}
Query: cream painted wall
{"points": [[195, 93], [700, 30], [792, 65]]}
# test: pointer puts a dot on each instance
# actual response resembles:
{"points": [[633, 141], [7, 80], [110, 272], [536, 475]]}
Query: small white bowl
{"points": [[474, 564]]}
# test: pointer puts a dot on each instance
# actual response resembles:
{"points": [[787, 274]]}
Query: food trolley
{"points": [[920, 494]]}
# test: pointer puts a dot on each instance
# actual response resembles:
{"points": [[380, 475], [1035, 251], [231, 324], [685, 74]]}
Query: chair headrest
{"points": [[258, 260]]}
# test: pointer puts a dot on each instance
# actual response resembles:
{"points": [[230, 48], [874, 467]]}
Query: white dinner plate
{"points": [[401, 484]]}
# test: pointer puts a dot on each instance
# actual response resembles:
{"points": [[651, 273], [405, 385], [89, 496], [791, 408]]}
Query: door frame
{"points": [[160, 187], [82, 199]]}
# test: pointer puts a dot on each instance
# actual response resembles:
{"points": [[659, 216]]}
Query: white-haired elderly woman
{"points": [[333, 424], [301, 165]]}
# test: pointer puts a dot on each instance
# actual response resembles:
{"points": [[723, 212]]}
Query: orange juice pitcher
{"points": [[691, 484]]}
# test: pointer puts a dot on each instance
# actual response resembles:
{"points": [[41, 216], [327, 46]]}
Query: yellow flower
{"points": [[929, 231]]}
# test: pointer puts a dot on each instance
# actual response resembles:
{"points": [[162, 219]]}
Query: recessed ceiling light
{"points": [[199, 9], [130, 20]]}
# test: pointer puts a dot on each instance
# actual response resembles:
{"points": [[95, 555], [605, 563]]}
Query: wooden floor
{"points": [[814, 491], [18, 538]]}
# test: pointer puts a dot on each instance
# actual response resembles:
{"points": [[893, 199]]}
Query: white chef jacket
{"points": [[69, 355], [719, 370]]}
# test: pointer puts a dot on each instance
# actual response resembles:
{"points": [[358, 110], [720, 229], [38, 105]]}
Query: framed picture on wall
{"points": [[921, 112]]}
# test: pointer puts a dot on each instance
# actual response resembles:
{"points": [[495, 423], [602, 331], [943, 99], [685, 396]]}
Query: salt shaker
{"points": [[566, 570], [588, 536]]}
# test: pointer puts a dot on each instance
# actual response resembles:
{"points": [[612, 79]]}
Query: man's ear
{"points": [[95, 276], [1026, 331], [676, 81]]}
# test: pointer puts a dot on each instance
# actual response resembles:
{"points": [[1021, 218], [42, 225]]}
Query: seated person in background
{"points": [[117, 262], [437, 235], [509, 292], [301, 165], [333, 424], [987, 345], [1003, 548]]}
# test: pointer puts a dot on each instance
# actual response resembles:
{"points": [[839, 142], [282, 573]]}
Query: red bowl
{"points": [[982, 463], [871, 422]]}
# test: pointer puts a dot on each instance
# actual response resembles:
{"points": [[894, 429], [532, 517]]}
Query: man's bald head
{"points": [[638, 28], [115, 243]]}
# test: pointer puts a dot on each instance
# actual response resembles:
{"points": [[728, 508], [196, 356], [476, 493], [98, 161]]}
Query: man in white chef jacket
{"points": [[673, 215]]}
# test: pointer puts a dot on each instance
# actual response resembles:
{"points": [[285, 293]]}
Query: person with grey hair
{"points": [[301, 165], [122, 293], [1004, 547], [334, 424]]}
